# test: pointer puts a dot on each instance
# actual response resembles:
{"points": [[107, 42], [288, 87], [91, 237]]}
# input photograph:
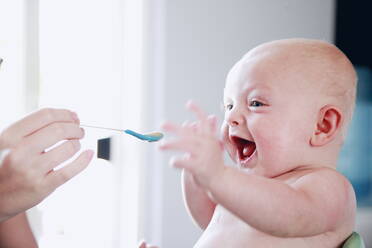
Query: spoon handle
{"points": [[106, 128]]}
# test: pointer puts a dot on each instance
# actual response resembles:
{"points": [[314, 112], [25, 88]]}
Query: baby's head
{"points": [[287, 104]]}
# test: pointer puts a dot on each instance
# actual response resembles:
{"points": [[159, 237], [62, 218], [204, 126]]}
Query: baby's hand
{"points": [[203, 156], [144, 245]]}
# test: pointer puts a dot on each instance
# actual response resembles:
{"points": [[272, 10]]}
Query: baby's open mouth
{"points": [[244, 147]]}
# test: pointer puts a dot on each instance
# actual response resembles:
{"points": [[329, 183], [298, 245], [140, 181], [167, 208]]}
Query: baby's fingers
{"points": [[182, 131], [184, 145], [212, 120], [144, 245], [200, 114], [207, 124], [180, 162]]}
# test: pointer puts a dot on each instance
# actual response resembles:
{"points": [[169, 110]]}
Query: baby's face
{"points": [[270, 115]]}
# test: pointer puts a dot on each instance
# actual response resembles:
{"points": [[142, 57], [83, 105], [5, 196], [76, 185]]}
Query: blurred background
{"points": [[133, 64]]}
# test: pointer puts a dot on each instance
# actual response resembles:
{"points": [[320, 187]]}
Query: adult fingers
{"points": [[50, 135], [35, 121], [59, 154], [59, 177]]}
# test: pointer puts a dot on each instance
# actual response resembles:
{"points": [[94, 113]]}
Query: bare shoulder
{"points": [[325, 180], [331, 192]]}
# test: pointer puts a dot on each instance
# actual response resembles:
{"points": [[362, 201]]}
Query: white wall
{"points": [[193, 44], [12, 50]]}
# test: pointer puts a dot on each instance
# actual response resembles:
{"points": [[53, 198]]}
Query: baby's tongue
{"points": [[246, 151]]}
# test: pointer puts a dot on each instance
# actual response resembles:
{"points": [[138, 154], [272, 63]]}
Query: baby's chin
{"points": [[263, 172], [259, 169], [270, 171]]}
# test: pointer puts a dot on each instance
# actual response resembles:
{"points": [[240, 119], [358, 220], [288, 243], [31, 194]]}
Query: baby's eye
{"points": [[255, 103], [228, 106]]}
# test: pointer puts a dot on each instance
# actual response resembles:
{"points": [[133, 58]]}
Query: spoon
{"points": [[149, 137]]}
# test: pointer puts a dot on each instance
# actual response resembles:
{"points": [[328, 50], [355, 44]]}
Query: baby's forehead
{"points": [[259, 70], [242, 82]]}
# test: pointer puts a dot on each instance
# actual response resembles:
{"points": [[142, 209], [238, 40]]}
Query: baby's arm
{"points": [[316, 203], [198, 203]]}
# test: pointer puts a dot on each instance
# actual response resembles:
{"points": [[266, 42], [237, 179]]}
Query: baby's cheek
{"points": [[271, 143], [224, 132]]}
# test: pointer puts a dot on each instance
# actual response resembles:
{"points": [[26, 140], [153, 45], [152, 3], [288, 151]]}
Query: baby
{"points": [[287, 107]]}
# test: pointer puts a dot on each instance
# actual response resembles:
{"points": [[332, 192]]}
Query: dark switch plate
{"points": [[104, 148]]}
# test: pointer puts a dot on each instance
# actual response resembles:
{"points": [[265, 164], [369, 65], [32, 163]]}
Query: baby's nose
{"points": [[234, 117], [234, 123]]}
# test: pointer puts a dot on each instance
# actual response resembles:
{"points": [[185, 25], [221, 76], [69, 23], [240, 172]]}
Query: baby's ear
{"points": [[328, 125]]}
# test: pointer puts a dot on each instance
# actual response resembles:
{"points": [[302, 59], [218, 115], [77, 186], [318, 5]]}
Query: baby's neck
{"points": [[322, 157], [317, 160]]}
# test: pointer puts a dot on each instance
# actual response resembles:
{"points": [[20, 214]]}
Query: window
{"points": [[12, 51], [85, 56]]}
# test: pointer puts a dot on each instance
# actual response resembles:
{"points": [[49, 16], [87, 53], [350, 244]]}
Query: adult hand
{"points": [[27, 172]]}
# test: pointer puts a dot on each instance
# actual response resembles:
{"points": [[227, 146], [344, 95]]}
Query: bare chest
{"points": [[226, 230]]}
